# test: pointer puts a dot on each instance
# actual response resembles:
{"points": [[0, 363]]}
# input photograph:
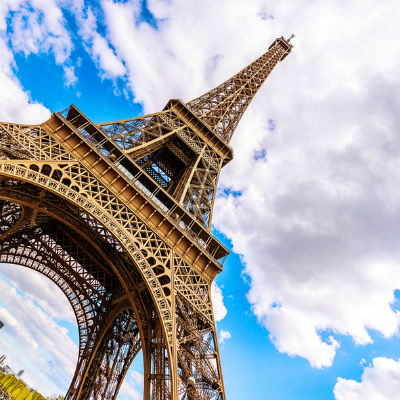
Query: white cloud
{"points": [[217, 298], [15, 103], [98, 46], [317, 223], [190, 51], [69, 76], [32, 332], [11, 322], [132, 386], [380, 381], [321, 251], [42, 290], [106, 58], [223, 335], [38, 27]]}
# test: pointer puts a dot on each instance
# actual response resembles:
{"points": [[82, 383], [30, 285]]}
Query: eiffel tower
{"points": [[118, 216]]}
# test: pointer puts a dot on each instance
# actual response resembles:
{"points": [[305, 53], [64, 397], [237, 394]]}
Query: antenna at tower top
{"points": [[291, 37]]}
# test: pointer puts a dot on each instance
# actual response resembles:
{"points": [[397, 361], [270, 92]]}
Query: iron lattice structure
{"points": [[118, 216]]}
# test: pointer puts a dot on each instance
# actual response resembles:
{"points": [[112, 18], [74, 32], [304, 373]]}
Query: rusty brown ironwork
{"points": [[118, 216]]}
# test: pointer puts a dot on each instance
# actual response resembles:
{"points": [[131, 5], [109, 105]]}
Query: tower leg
{"points": [[116, 348], [198, 359], [157, 375]]}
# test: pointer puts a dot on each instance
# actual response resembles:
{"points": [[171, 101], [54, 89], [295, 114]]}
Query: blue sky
{"points": [[308, 302]]}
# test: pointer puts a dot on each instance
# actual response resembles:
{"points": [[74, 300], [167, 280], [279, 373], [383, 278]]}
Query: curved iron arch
{"points": [[26, 248], [52, 178]]}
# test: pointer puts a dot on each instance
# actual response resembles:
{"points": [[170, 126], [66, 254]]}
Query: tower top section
{"points": [[222, 107]]}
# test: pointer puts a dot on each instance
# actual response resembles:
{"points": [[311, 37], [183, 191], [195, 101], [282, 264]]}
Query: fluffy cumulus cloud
{"points": [[187, 47], [223, 335], [28, 28], [132, 386], [42, 28], [318, 219], [318, 225], [380, 381], [38, 26], [217, 298], [41, 289], [33, 311], [15, 103], [97, 46]]}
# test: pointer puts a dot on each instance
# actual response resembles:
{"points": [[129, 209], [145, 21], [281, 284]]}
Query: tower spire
{"points": [[222, 107]]}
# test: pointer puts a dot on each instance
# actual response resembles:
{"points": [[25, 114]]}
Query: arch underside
{"points": [[109, 336], [128, 289]]}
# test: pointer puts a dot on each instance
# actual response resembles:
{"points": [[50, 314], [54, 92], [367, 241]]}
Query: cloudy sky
{"points": [[309, 301]]}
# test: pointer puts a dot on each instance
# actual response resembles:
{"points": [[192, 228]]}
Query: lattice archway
{"points": [[70, 182], [111, 366], [32, 203]]}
